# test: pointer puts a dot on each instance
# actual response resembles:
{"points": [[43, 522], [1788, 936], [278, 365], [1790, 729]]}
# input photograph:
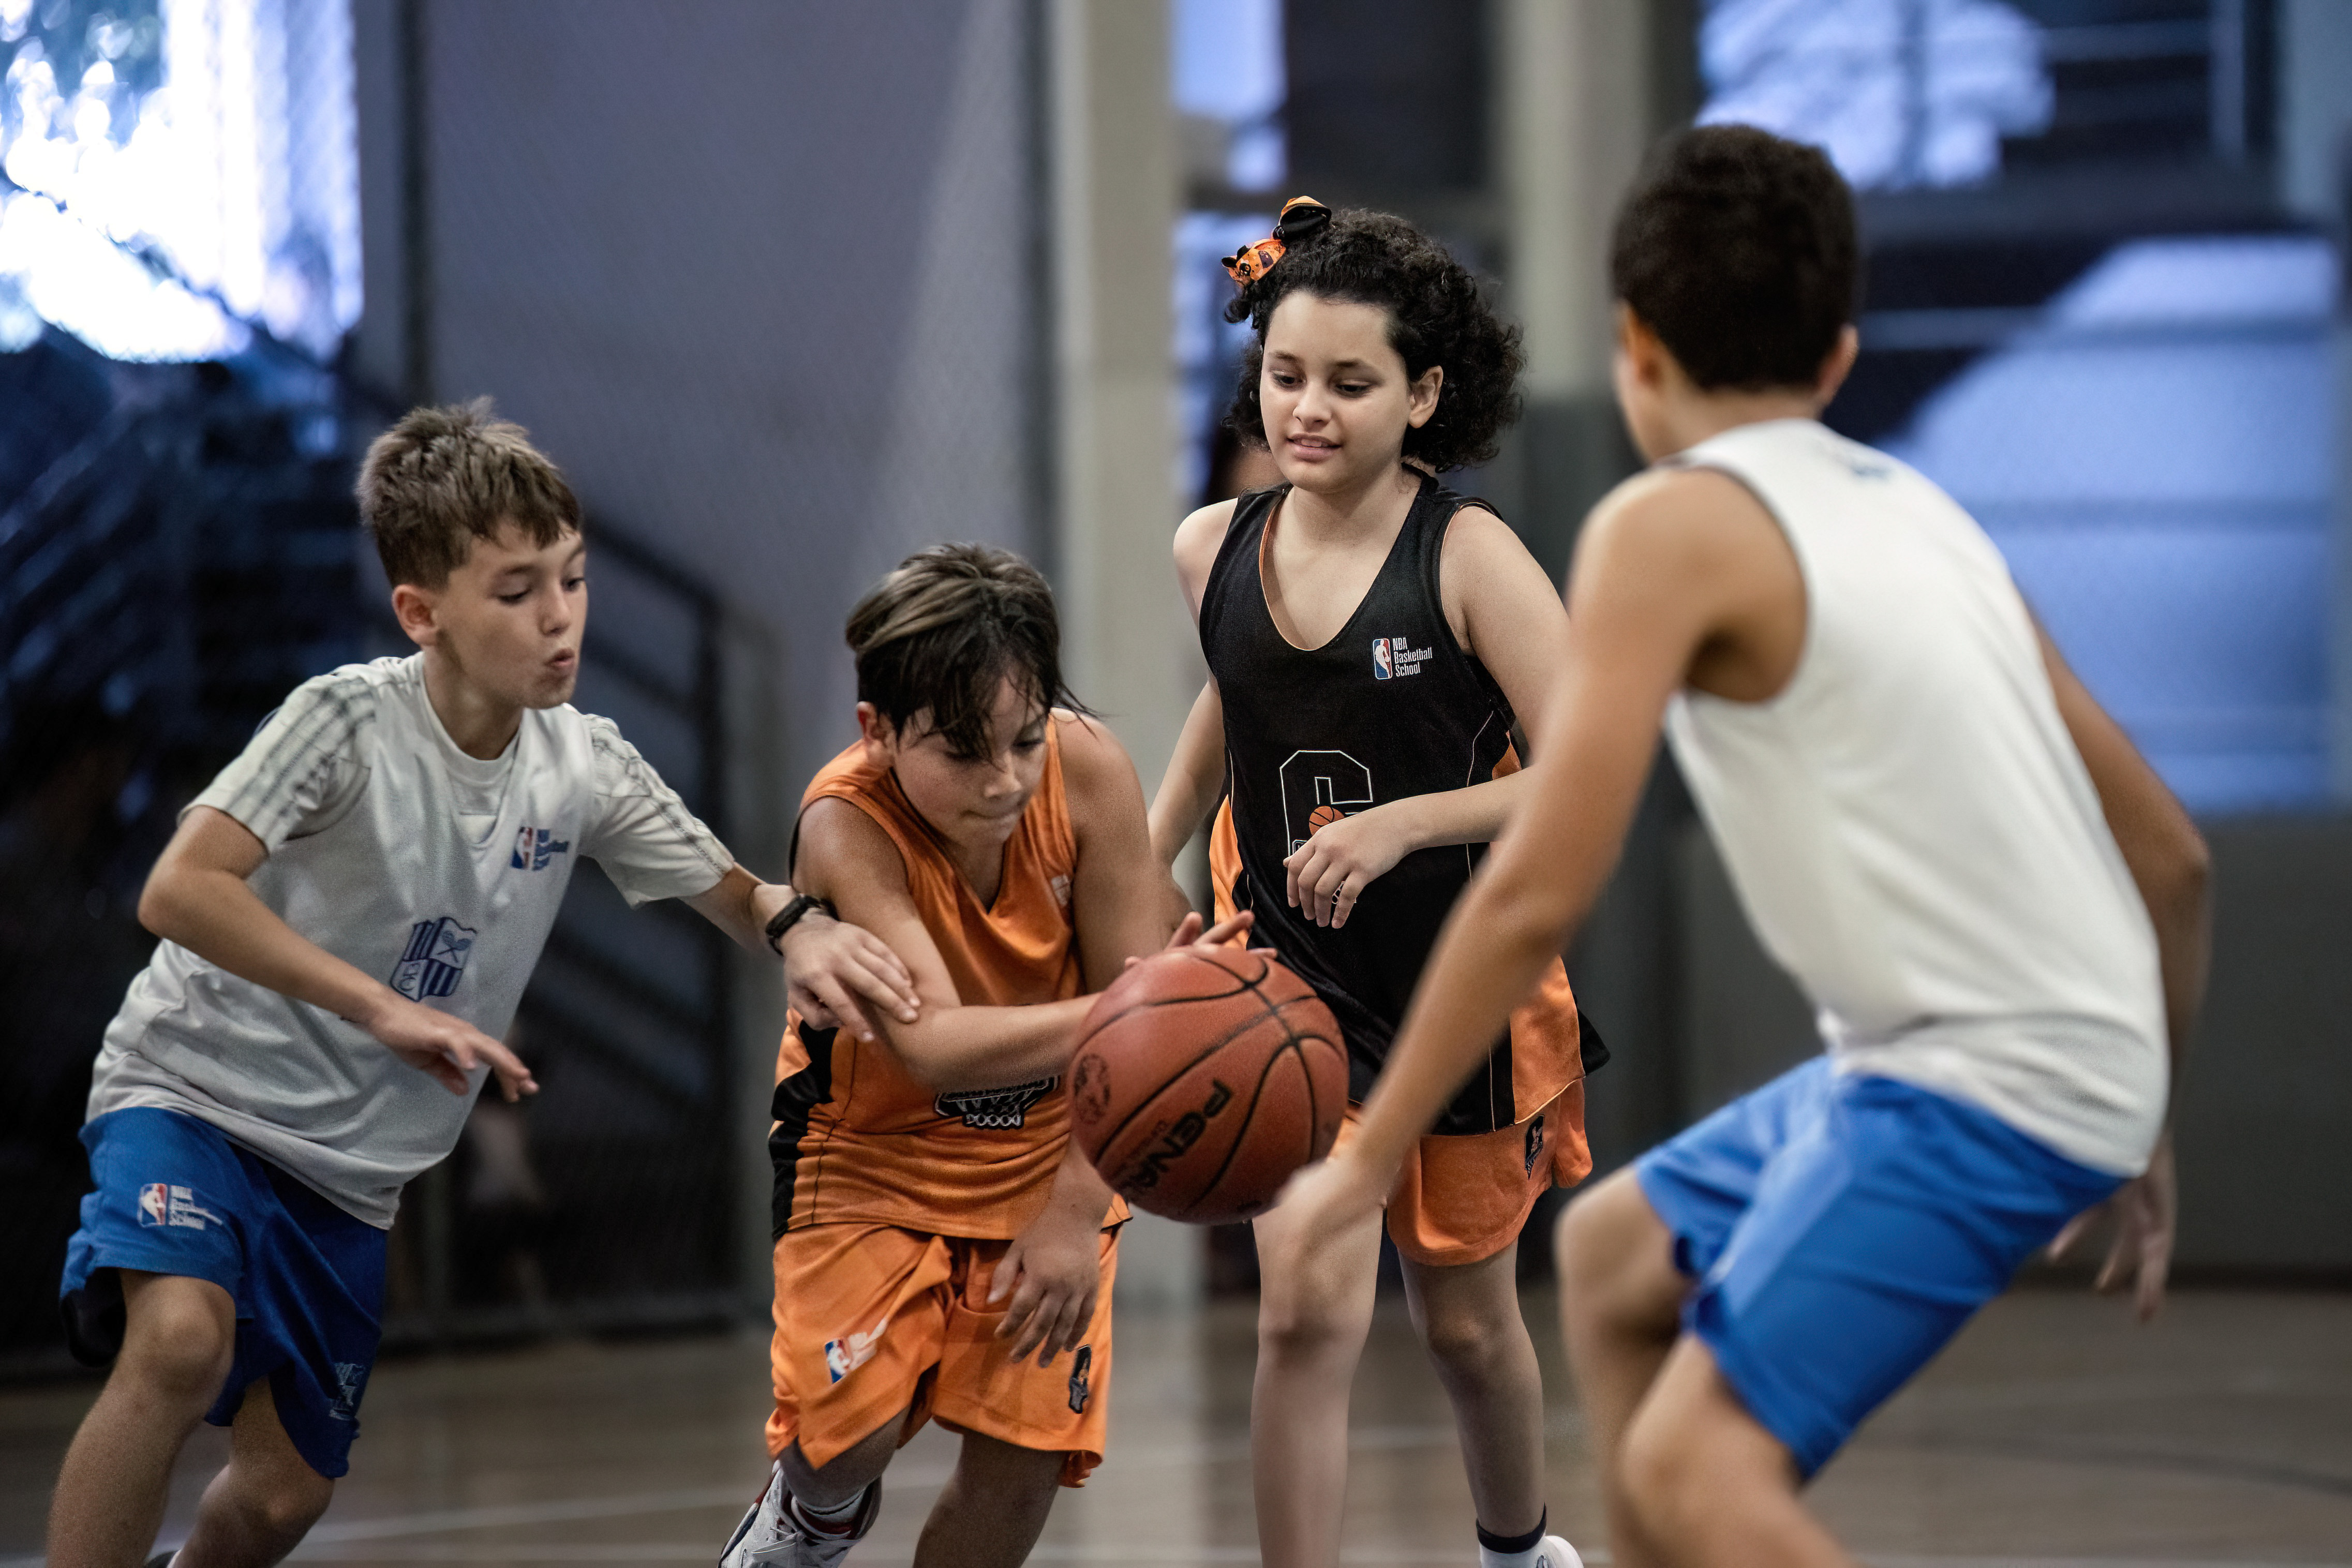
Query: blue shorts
{"points": [[176, 1195], [1841, 1229]]}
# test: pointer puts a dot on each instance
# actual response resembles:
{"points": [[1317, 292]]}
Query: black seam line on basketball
{"points": [[1131, 1009], [1257, 1094], [1272, 1011], [1206, 1052], [1239, 985]]}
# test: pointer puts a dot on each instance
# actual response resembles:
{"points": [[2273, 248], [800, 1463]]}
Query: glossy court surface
{"points": [[2052, 1434]]}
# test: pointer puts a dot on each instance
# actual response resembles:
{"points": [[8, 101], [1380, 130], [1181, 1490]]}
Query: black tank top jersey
{"points": [[1390, 707]]}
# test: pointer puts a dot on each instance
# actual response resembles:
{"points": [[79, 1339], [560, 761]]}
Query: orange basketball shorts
{"points": [[872, 1320], [1463, 1200]]}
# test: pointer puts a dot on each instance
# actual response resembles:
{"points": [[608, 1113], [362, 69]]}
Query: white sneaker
{"points": [[772, 1534], [1554, 1552]]}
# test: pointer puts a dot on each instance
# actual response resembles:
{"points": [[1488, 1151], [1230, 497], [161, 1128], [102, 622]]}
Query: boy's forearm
{"points": [[963, 1048], [740, 905], [216, 915], [2181, 911]]}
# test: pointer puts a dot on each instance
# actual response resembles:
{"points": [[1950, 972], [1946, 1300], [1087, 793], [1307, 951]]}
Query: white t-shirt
{"points": [[1909, 825], [439, 873]]}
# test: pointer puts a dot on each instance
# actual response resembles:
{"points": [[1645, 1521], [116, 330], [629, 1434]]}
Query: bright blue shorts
{"points": [[176, 1195], [1841, 1229]]}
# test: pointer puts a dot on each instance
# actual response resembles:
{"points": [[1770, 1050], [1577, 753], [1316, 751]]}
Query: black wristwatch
{"points": [[789, 916]]}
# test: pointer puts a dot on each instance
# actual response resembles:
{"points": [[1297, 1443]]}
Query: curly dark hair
{"points": [[1736, 247], [1437, 316]]}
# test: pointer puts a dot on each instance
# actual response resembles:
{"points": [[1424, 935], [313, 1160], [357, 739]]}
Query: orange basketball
{"points": [[1203, 1080], [1321, 818]]}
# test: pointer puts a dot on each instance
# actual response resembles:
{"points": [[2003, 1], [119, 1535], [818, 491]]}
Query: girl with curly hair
{"points": [[1373, 640]]}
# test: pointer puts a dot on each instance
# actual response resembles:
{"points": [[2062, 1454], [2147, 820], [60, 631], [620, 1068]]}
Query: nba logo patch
{"points": [[435, 958], [845, 1355], [163, 1205], [535, 847], [1534, 1144], [1383, 662], [1080, 1383]]}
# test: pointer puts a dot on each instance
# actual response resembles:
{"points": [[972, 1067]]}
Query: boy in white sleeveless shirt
{"points": [[350, 914], [1997, 907]]}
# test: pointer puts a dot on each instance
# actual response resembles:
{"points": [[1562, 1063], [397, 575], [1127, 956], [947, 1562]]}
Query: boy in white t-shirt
{"points": [[1993, 901], [350, 914]]}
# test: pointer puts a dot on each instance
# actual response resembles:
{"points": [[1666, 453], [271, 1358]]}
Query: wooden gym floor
{"points": [[2054, 1435]]}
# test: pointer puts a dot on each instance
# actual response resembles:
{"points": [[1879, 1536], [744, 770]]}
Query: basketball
{"points": [[1323, 817], [1203, 1080]]}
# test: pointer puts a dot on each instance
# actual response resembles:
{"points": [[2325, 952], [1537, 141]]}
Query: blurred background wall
{"points": [[792, 289]]}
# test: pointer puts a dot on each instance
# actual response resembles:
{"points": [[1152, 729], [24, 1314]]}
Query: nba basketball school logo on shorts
{"points": [[162, 1204], [435, 958]]}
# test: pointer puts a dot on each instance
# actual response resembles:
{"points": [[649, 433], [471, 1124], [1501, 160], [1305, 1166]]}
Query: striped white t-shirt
{"points": [[439, 873]]}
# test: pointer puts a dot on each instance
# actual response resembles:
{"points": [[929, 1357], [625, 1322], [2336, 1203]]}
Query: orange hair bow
{"points": [[1300, 216]]}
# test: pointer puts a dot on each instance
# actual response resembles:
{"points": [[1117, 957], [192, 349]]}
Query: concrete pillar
{"points": [[1575, 111], [1127, 646], [1584, 85]]}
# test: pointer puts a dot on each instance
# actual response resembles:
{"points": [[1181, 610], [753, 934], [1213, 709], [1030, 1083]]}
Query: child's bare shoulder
{"points": [[1199, 538]]}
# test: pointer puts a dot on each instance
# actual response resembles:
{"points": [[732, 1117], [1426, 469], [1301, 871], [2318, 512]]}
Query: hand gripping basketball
{"points": [[1203, 1078]]}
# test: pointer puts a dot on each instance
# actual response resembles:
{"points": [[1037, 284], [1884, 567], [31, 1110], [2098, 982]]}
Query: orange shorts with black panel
{"points": [[872, 1320], [1463, 1199]]}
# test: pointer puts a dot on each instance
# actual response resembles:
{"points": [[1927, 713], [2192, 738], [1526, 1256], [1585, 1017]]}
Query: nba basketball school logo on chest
{"points": [[435, 958], [1394, 658]]}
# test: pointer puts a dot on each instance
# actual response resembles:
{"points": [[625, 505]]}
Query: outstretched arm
{"points": [[1669, 568], [833, 971], [197, 896], [2170, 864]]}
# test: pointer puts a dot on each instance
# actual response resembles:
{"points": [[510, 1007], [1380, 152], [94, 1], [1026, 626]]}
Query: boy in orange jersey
{"points": [[934, 1227]]}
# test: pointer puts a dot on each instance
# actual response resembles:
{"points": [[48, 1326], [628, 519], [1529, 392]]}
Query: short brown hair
{"points": [[442, 477], [1737, 248], [945, 630]]}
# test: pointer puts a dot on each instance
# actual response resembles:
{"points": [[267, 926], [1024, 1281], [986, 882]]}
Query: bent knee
{"points": [[1615, 1256], [1656, 1473], [293, 1500], [179, 1343]]}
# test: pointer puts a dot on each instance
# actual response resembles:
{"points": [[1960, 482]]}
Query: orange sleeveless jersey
{"points": [[856, 1138]]}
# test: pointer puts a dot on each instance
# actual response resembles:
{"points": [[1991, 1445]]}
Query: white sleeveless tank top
{"points": [[1909, 823]]}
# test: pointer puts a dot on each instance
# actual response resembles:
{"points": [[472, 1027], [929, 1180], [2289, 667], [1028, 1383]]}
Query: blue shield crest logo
{"points": [[433, 959]]}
